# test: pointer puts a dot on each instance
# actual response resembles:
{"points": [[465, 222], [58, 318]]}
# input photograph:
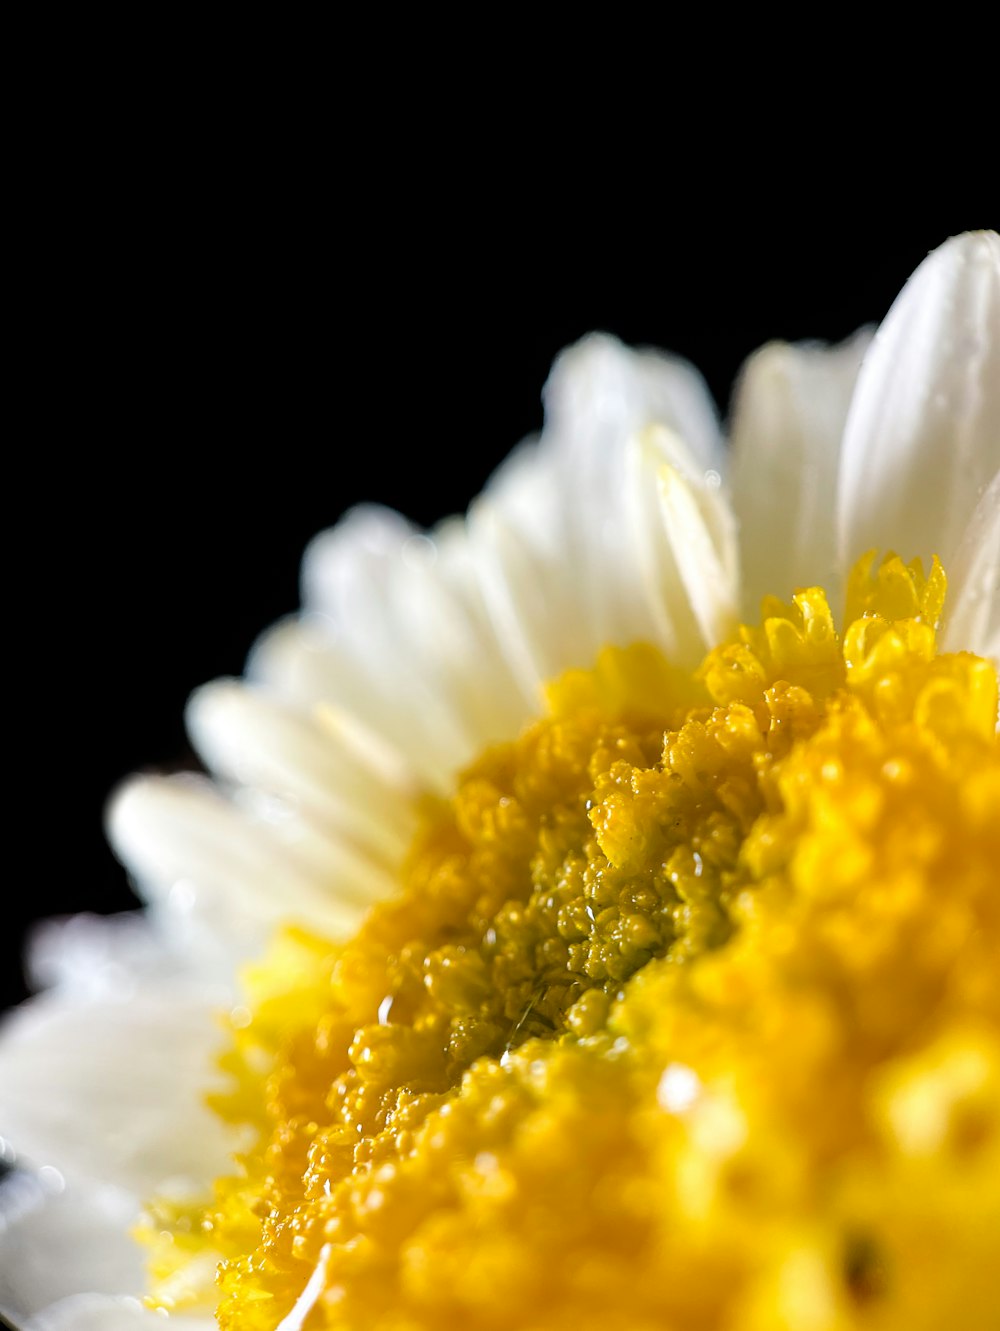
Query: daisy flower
{"points": [[592, 915]]}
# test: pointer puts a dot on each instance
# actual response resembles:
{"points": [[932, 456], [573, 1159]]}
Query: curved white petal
{"points": [[183, 841], [410, 647], [788, 417], [972, 612], [55, 1244], [111, 1090], [255, 740], [516, 530], [684, 549], [922, 439], [294, 660], [600, 397], [351, 576], [453, 640], [600, 391]]}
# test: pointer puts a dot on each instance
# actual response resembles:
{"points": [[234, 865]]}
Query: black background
{"points": [[220, 358]]}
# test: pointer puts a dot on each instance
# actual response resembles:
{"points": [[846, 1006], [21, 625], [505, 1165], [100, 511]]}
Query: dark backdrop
{"points": [[219, 372]]}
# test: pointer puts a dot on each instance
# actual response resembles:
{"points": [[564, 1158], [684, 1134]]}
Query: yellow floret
{"points": [[685, 1016]]}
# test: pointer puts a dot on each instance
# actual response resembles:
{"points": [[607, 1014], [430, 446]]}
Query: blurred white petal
{"points": [[410, 648], [58, 1243], [111, 1090], [254, 740], [515, 530], [180, 831], [100, 956], [294, 661]]}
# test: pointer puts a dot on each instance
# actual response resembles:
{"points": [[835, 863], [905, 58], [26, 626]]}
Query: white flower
{"points": [[630, 519]]}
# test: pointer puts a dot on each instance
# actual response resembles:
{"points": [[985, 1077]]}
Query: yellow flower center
{"points": [[685, 1015]]}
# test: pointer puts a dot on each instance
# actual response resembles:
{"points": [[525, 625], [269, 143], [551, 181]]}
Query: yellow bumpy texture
{"points": [[686, 1016]]}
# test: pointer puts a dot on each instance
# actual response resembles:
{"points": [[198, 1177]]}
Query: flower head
{"points": [[617, 867]]}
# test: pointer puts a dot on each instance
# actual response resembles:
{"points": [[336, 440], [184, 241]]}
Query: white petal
{"points": [[789, 410], [244, 736], [600, 391], [453, 641], [406, 643], [922, 439], [972, 612], [295, 664], [60, 1244], [110, 1090], [100, 956], [349, 576], [599, 398], [98, 1312], [694, 577], [294, 660], [561, 536], [181, 839], [528, 584]]}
